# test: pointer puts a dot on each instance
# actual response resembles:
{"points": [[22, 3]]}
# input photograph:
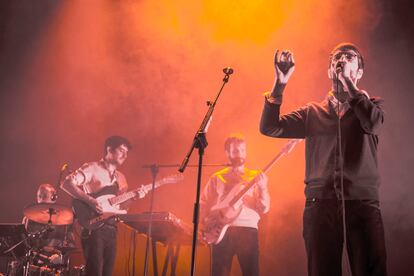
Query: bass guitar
{"points": [[222, 214], [90, 219]]}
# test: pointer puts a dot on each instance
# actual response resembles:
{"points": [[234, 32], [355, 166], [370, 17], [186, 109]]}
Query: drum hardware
{"points": [[31, 253], [37, 262], [43, 260], [10, 234]]}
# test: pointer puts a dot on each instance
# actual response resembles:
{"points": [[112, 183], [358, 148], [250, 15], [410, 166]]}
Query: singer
{"points": [[341, 136]]}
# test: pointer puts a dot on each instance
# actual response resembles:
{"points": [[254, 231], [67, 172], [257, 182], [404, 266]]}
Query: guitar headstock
{"points": [[171, 179], [144, 189], [290, 145]]}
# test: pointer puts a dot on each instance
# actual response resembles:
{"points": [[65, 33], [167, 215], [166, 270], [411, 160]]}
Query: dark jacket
{"points": [[318, 123]]}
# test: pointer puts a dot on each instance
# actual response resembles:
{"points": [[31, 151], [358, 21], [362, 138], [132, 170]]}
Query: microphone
{"points": [[339, 67], [228, 70], [64, 167]]}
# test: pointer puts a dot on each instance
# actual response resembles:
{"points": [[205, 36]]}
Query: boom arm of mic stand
{"points": [[154, 171], [200, 142], [199, 138]]}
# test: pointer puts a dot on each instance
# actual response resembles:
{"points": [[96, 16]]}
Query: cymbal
{"points": [[46, 213]]}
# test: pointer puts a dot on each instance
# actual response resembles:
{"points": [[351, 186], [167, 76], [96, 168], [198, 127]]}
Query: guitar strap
{"points": [[114, 179], [106, 190]]}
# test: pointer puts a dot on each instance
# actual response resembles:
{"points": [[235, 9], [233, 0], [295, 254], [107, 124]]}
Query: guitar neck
{"points": [[265, 170], [122, 198], [251, 183], [133, 193]]}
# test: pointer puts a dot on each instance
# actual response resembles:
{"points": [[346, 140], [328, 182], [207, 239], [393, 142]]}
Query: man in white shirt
{"points": [[85, 184], [241, 237]]}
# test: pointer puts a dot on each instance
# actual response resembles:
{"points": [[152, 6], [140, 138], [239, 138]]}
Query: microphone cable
{"points": [[341, 172]]}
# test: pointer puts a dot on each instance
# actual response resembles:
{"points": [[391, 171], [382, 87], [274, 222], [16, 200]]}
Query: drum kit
{"points": [[47, 243]]}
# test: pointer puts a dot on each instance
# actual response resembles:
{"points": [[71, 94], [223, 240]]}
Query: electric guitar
{"points": [[225, 212], [110, 203]]}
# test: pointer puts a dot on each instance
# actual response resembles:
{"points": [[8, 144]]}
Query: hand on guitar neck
{"points": [[261, 181], [253, 202]]}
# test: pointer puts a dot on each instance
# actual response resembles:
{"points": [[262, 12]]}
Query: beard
{"points": [[237, 161]]}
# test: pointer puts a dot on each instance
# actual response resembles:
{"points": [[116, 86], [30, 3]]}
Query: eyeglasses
{"points": [[348, 55]]}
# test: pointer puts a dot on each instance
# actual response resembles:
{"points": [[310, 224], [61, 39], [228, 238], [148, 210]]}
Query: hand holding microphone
{"points": [[343, 75], [342, 72], [284, 65], [339, 67]]}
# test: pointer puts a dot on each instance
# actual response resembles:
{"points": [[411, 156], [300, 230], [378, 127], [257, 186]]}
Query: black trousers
{"points": [[323, 235], [242, 242], [99, 249]]}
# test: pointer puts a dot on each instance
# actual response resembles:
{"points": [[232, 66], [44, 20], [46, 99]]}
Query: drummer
{"points": [[49, 238]]}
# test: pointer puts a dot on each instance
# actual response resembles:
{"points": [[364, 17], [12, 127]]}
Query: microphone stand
{"points": [[200, 142], [154, 171], [345, 255], [62, 170]]}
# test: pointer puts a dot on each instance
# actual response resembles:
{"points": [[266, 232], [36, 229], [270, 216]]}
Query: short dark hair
{"points": [[115, 141], [234, 138], [345, 46]]}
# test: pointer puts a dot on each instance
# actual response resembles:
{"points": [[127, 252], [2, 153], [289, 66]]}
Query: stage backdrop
{"points": [[74, 72]]}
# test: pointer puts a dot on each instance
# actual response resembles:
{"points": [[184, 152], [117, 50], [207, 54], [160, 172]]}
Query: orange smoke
{"points": [[145, 69]]}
